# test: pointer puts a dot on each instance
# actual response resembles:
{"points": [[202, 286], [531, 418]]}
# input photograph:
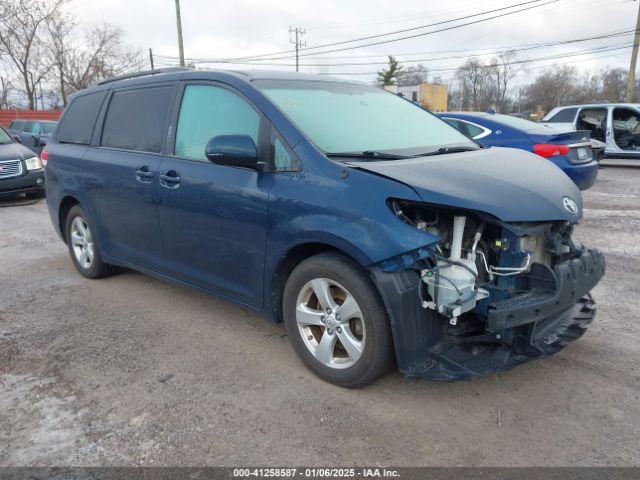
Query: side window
{"points": [[76, 125], [28, 127], [458, 125], [282, 157], [16, 125], [35, 128], [135, 119], [565, 115], [452, 122], [208, 111], [474, 131]]}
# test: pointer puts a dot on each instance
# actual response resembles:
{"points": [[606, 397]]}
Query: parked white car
{"points": [[615, 124]]}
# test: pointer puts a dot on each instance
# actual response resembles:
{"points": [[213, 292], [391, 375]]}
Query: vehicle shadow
{"points": [[18, 201]]}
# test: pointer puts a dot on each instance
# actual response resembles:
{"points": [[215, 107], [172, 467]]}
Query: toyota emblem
{"points": [[570, 205]]}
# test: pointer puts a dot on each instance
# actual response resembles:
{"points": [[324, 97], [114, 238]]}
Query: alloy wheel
{"points": [[82, 242], [330, 322]]}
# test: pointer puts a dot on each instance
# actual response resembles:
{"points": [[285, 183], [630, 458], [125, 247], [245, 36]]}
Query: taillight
{"points": [[44, 156], [550, 150]]}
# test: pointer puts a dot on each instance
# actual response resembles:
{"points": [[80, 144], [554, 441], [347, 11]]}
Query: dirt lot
{"points": [[132, 371]]}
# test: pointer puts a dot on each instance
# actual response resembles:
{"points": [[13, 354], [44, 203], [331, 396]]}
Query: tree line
{"points": [[45, 55], [480, 85]]}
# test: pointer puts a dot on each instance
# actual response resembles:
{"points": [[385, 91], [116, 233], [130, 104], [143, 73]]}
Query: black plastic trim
{"points": [[573, 279]]}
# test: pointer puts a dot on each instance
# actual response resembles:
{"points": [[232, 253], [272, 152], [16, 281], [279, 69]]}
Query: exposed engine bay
{"points": [[510, 290], [477, 254]]}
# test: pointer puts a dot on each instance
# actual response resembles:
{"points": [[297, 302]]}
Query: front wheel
{"points": [[82, 245], [336, 321]]}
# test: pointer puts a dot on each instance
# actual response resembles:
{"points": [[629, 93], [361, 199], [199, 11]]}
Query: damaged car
{"points": [[378, 233]]}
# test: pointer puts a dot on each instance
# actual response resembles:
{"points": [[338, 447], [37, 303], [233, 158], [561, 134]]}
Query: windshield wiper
{"points": [[369, 154], [445, 150]]}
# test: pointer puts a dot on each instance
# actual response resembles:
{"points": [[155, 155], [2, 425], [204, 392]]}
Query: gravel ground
{"points": [[129, 370]]}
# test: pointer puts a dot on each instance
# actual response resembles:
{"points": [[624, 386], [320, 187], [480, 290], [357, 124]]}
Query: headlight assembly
{"points": [[33, 163]]}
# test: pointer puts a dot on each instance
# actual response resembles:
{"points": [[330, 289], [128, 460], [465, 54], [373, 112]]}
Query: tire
{"points": [[35, 195], [89, 264], [349, 345]]}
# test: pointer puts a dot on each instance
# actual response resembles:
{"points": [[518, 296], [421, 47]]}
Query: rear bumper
{"points": [[583, 175], [32, 181], [425, 349]]}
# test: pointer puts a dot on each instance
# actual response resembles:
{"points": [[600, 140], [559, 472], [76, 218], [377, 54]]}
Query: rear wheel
{"points": [[82, 246], [336, 321]]}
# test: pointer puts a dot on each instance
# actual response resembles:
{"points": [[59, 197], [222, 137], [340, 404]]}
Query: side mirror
{"points": [[234, 151], [16, 138]]}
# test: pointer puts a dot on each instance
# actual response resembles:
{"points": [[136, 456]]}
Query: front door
{"points": [[213, 218], [30, 135], [123, 174], [625, 130], [595, 120]]}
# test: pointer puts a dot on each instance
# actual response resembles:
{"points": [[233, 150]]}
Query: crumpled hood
{"points": [[511, 184]]}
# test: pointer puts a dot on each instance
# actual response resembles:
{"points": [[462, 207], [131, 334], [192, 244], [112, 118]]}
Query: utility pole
{"points": [[180, 44], [297, 40], [631, 79], [151, 59]]}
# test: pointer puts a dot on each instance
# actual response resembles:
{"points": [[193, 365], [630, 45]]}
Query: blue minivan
{"points": [[374, 230]]}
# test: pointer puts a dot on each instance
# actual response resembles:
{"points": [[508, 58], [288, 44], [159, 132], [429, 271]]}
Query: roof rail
{"points": [[144, 73]]}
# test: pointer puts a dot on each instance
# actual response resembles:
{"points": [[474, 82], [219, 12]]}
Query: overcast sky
{"points": [[215, 29]]}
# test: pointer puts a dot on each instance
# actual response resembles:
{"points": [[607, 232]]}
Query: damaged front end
{"points": [[488, 295]]}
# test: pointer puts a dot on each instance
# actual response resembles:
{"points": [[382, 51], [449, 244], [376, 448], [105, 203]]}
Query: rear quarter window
{"points": [[135, 119], [564, 116], [76, 125]]}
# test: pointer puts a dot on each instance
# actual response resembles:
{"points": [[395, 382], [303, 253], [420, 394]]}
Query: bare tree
{"points": [[5, 82], [474, 79], [5, 91], [413, 75], [22, 39], [503, 71], [81, 60], [614, 84], [552, 88], [60, 27]]}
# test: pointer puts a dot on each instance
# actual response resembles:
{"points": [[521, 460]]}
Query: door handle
{"points": [[170, 179], [143, 175]]}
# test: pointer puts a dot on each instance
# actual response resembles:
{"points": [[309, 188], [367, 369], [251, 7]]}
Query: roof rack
{"points": [[144, 73]]}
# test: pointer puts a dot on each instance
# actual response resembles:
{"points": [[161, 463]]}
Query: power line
{"points": [[468, 52], [407, 30], [598, 50], [517, 62], [506, 50]]}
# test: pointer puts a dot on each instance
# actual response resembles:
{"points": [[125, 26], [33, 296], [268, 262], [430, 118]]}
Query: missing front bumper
{"points": [[476, 357], [425, 350], [572, 280]]}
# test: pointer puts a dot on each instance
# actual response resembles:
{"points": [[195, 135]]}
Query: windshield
{"points": [[48, 127], [343, 117], [4, 137]]}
